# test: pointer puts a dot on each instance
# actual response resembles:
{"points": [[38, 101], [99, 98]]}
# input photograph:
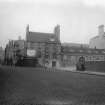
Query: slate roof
{"points": [[75, 50], [78, 45], [39, 37], [98, 36]]}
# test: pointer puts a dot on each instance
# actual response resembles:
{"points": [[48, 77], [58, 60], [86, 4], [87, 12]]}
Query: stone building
{"points": [[13, 49], [44, 46], [50, 52], [94, 58], [2, 55], [98, 41]]}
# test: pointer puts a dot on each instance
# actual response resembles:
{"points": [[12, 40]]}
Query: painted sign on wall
{"points": [[31, 52]]}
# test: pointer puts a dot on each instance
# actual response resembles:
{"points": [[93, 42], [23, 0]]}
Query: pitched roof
{"points": [[74, 50], [98, 36], [39, 37], [77, 45]]}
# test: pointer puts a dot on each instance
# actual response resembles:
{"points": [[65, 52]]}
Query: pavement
{"points": [[73, 69]]}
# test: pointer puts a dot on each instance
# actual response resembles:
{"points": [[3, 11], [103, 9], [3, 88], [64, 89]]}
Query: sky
{"points": [[78, 19]]}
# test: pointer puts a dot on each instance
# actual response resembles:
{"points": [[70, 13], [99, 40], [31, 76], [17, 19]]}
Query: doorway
{"points": [[53, 63]]}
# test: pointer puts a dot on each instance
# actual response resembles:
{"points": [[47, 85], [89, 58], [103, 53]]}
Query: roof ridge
{"points": [[39, 36], [40, 32]]}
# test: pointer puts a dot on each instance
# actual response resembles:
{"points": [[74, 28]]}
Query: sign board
{"points": [[31, 52]]}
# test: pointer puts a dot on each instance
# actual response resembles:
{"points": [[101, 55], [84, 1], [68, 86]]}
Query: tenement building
{"points": [[44, 46]]}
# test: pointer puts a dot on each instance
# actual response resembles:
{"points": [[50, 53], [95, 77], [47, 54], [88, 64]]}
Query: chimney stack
{"points": [[19, 38], [101, 30], [27, 31], [57, 32]]}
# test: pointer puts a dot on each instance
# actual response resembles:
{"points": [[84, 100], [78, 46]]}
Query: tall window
{"points": [[54, 55]]}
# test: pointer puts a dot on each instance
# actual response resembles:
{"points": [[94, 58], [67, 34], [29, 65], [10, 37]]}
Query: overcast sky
{"points": [[78, 19]]}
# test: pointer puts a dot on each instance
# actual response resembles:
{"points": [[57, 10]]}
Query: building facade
{"points": [[98, 41], [45, 46], [13, 49], [94, 58], [50, 52], [70, 55], [2, 54]]}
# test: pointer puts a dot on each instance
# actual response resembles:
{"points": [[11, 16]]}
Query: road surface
{"points": [[38, 86]]}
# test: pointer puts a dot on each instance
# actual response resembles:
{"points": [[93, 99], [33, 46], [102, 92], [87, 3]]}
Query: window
{"points": [[54, 55], [103, 52], [80, 50], [96, 51], [71, 50], [89, 51]]}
